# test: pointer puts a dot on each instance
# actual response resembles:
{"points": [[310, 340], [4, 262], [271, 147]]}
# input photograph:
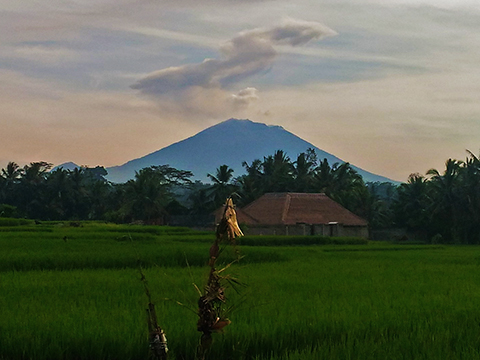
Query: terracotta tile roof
{"points": [[293, 208], [242, 216]]}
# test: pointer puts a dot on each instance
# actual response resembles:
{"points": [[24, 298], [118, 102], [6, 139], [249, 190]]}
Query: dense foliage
{"points": [[84, 194], [438, 206], [443, 206]]}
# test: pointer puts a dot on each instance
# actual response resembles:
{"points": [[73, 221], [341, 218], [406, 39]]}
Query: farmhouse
{"points": [[300, 214]]}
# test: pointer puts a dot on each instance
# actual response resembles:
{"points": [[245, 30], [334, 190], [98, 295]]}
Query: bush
{"points": [[275, 240], [15, 222], [8, 211]]}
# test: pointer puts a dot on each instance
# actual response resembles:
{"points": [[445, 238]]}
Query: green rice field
{"points": [[74, 292]]}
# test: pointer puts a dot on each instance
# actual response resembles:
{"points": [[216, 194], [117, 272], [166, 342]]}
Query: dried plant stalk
{"points": [[157, 338], [212, 317], [156, 335]]}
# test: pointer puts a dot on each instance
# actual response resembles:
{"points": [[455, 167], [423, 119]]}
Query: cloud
{"points": [[248, 54], [245, 97], [446, 4], [393, 125], [397, 90], [45, 120], [44, 54]]}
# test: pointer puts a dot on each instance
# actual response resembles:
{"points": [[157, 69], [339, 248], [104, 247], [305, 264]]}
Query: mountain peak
{"points": [[69, 166], [245, 122], [230, 142]]}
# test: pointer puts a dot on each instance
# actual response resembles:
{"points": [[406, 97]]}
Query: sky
{"points": [[391, 86]]}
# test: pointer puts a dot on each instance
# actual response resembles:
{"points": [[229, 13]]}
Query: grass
{"points": [[55, 247], [15, 222], [374, 301]]}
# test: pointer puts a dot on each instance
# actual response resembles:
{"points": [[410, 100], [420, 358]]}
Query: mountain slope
{"points": [[69, 166], [230, 142]]}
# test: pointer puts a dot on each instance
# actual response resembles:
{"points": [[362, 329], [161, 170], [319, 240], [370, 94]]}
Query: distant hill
{"points": [[230, 142], [67, 166]]}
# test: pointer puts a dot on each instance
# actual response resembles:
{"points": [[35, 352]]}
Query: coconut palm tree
{"points": [[31, 189], [277, 172], [303, 172], [12, 171], [9, 177], [469, 193], [148, 194], [222, 187], [323, 177], [446, 207], [413, 203]]}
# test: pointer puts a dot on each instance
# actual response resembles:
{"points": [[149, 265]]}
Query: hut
{"points": [[300, 214]]}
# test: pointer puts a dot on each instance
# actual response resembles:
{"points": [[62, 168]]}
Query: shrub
{"points": [[275, 240], [15, 222], [8, 211]]}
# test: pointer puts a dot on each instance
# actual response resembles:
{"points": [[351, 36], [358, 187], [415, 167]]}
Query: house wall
{"points": [[299, 229], [264, 230], [307, 229]]}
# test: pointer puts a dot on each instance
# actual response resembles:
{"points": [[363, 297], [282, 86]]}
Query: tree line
{"points": [[438, 206], [443, 206]]}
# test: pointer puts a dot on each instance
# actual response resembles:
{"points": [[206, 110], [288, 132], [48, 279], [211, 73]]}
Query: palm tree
{"points": [[36, 172], [376, 204], [12, 172], [303, 172], [254, 171], [222, 176], [412, 205], [222, 187], [31, 189], [147, 196], [251, 185], [469, 193], [277, 172], [8, 179], [200, 202], [446, 207], [323, 177], [342, 183], [58, 195]]}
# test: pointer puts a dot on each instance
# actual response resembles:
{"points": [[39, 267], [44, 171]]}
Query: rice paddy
{"points": [[70, 292]]}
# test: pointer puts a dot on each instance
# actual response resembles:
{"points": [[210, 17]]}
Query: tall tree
{"points": [[149, 193], [9, 178], [445, 209], [31, 194], [200, 201], [277, 172], [250, 186], [304, 171], [222, 186], [12, 171], [413, 203], [469, 194], [323, 177]]}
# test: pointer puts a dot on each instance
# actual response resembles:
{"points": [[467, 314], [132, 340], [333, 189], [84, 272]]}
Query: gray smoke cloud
{"points": [[244, 97], [249, 53]]}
